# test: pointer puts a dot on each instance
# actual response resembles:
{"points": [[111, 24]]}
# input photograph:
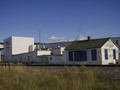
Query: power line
{"points": [[114, 34]]}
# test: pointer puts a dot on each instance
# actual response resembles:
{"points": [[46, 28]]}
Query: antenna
{"points": [[39, 38]]}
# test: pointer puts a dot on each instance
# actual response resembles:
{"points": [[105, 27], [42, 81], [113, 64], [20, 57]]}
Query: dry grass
{"points": [[67, 78]]}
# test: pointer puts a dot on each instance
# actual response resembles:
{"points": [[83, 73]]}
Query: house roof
{"points": [[87, 44]]}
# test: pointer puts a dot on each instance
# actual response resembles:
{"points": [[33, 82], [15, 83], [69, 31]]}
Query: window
{"points": [[80, 56], [114, 54], [117, 42], [94, 54], [77, 55], [50, 58], [70, 55], [20, 59], [84, 56], [119, 55], [106, 53], [24, 58], [2, 57]]}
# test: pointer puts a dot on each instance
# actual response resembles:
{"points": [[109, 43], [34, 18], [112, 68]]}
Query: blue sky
{"points": [[59, 18]]}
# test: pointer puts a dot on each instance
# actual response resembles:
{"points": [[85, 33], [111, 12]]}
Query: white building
{"points": [[116, 40], [56, 56], [52, 59], [94, 52], [22, 49]]}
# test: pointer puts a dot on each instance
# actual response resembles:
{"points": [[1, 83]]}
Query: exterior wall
{"points": [[25, 57], [0, 56], [44, 59], [45, 52], [116, 40], [1, 46], [53, 59], [89, 57], [58, 51], [16, 45], [89, 60], [8, 49], [30, 56], [21, 44], [110, 46], [65, 57]]}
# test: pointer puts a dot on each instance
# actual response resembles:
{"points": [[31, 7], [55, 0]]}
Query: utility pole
{"points": [[39, 38]]}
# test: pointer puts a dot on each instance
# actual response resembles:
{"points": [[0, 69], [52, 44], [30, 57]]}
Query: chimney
{"points": [[89, 38]]}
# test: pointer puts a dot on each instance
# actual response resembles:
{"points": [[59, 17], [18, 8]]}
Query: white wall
{"points": [[44, 52], [25, 57], [66, 56], [89, 57], [34, 56], [58, 51], [0, 56], [8, 49], [21, 44], [32, 48], [16, 45], [53, 59], [110, 46], [1, 46]]}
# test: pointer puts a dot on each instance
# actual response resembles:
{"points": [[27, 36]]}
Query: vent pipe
{"points": [[89, 38]]}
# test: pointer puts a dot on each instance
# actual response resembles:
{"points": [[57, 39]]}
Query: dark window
{"points": [[114, 54], [50, 58], [106, 53], [80, 56], [84, 56], [117, 42], [70, 55], [94, 54], [2, 57], [119, 55], [20, 59], [77, 55], [28, 58]]}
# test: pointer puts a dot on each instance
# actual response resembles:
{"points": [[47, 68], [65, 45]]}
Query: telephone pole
{"points": [[39, 38]]}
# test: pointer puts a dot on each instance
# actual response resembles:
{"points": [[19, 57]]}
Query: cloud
{"points": [[80, 37], [53, 38]]}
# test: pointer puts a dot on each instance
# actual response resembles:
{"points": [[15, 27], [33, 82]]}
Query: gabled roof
{"points": [[87, 44]]}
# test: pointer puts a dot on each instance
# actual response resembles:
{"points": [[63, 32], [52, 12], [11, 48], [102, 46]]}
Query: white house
{"points": [[95, 52], [116, 40]]}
